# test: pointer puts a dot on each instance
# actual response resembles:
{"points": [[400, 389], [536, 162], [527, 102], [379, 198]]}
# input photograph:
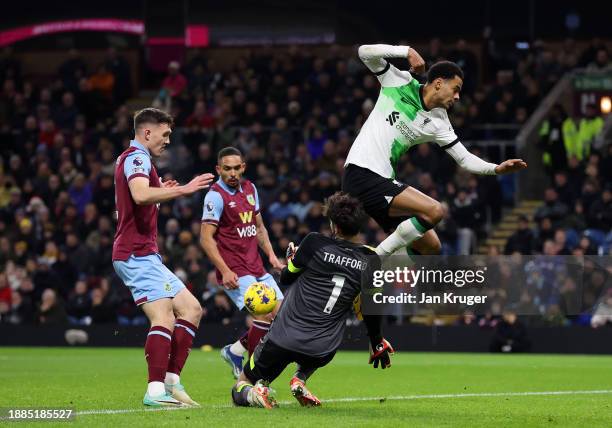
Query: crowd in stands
{"points": [[294, 115]]}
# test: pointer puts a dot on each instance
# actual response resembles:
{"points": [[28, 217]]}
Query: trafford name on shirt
{"points": [[344, 261]]}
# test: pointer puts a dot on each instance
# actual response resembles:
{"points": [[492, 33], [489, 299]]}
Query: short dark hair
{"points": [[345, 212], [444, 69], [152, 115], [228, 151]]}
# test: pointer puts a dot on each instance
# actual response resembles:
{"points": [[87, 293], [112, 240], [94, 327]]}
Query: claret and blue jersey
{"points": [[234, 212]]}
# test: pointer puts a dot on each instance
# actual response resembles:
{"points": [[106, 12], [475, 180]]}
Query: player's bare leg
{"points": [[157, 349], [299, 390], [425, 212], [428, 244], [188, 314]]}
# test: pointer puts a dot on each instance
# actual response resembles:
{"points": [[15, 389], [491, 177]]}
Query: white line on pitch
{"points": [[353, 399], [468, 394]]}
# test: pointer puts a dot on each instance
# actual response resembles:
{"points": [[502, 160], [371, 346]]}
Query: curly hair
{"points": [[444, 69], [346, 213]]}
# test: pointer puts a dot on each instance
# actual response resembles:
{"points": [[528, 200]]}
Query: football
{"points": [[260, 299]]}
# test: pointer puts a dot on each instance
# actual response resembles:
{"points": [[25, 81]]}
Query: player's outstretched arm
{"points": [[143, 194], [373, 56], [380, 349], [476, 165], [264, 243], [509, 166]]}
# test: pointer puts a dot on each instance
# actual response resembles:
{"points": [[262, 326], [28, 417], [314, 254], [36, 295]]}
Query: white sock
{"points": [[403, 236], [237, 348], [156, 389], [172, 378]]}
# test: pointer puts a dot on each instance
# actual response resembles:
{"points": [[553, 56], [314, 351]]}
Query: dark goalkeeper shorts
{"points": [[269, 360], [375, 194]]}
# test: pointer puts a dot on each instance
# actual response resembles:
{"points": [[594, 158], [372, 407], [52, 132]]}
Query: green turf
{"points": [[98, 379]]}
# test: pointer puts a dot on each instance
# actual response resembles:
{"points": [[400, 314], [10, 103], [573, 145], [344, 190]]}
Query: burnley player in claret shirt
{"points": [[173, 311], [232, 230]]}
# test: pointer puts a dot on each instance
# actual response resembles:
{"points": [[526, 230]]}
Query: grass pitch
{"points": [[106, 386]]}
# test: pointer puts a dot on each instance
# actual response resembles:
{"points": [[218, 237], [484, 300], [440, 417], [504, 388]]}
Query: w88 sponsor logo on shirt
{"points": [[247, 231]]}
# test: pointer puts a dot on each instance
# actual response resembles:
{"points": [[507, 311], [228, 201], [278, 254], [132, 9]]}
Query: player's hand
{"points": [[381, 353], [417, 63], [229, 280], [169, 183], [198, 183], [509, 166], [291, 250], [276, 263]]}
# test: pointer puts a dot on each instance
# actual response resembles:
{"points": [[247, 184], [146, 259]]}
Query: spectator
{"points": [[600, 211], [551, 141], [561, 244], [51, 309], [102, 309], [466, 59], [578, 134], [602, 62], [173, 85], [66, 114], [566, 192], [282, 208], [72, 70], [120, 69], [77, 253], [510, 335], [576, 219], [5, 292], [552, 208], [447, 231], [218, 308], [102, 82], [80, 192], [21, 311], [521, 241], [78, 305], [200, 117], [104, 195], [302, 206]]}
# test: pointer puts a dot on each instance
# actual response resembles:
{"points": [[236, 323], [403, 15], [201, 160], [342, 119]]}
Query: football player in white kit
{"points": [[407, 113]]}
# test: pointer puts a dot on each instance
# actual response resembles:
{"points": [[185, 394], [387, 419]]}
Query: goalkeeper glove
{"points": [[381, 353], [291, 250]]}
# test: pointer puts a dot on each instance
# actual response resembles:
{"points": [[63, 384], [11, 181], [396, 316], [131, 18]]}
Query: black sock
{"points": [[240, 393], [303, 373]]}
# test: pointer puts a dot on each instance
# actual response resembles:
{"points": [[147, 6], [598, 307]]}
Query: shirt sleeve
{"points": [[257, 207], [136, 164], [469, 161], [373, 56], [300, 261], [303, 254], [213, 207], [444, 134]]}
